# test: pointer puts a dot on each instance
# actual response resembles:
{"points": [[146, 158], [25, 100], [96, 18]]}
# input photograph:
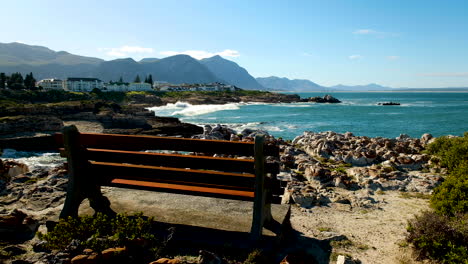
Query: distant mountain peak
{"points": [[231, 72], [285, 84]]}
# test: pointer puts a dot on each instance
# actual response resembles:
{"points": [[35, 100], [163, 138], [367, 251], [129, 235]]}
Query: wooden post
{"points": [[75, 192], [259, 199], [81, 184]]}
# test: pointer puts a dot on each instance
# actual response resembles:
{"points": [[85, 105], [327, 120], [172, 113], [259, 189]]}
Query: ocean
{"points": [[420, 112]]}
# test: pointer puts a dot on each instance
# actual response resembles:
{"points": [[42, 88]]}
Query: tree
{"points": [[150, 79], [121, 79], [137, 79], [15, 81], [2, 80], [29, 81]]}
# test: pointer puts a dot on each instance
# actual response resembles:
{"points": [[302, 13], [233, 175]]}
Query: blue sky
{"points": [[395, 43]]}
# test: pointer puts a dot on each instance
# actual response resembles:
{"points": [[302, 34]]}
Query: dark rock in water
{"points": [[389, 103], [326, 99]]}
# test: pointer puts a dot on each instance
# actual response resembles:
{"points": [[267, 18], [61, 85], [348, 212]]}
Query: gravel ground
{"points": [[370, 235]]}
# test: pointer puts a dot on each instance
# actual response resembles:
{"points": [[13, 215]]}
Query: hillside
{"points": [[231, 73], [285, 84]]}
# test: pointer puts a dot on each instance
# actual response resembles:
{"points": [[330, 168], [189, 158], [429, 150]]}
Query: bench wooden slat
{"points": [[167, 187], [175, 160], [107, 171], [132, 142], [171, 160]]}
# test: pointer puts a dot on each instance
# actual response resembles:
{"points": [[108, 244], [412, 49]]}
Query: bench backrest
{"points": [[118, 160]]}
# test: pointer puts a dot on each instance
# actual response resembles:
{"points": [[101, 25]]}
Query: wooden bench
{"points": [[96, 160]]}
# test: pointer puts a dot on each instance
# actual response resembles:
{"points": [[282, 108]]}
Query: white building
{"points": [[50, 84], [126, 87], [82, 84], [117, 87], [140, 87]]}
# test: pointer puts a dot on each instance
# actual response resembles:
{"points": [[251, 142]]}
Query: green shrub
{"points": [[451, 197], [451, 151], [439, 237], [442, 234], [256, 257], [100, 231]]}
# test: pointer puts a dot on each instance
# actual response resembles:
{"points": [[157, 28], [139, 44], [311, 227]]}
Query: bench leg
{"points": [[72, 203], [81, 184]]}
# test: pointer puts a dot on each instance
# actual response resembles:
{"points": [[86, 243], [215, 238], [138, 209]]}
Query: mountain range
{"points": [[47, 63]]}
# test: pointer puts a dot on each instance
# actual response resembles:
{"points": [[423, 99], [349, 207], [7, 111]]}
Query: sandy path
{"points": [[376, 235]]}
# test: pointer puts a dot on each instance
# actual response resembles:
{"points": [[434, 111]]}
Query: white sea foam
{"points": [[294, 105], [33, 159], [184, 109]]}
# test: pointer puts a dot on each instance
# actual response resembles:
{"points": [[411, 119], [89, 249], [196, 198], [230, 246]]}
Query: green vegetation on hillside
{"points": [[12, 97], [442, 234]]}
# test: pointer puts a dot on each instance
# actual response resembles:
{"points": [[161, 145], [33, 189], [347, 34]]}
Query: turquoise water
{"points": [[419, 113]]}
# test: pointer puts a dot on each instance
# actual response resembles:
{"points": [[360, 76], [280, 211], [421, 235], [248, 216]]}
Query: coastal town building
{"points": [[195, 87], [82, 84], [50, 84], [126, 87]]}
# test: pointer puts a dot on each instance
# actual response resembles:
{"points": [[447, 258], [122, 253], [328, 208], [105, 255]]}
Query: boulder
{"points": [[17, 225], [166, 261], [326, 99]]}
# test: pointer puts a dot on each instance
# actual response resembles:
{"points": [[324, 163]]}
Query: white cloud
{"points": [[307, 54], [126, 51], [376, 33], [201, 54], [392, 58], [444, 74], [355, 57], [365, 31]]}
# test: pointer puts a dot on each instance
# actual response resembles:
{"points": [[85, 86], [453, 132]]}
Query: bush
{"points": [[451, 151], [99, 232], [442, 235], [439, 237], [451, 197]]}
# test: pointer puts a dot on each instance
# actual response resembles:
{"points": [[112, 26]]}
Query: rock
{"points": [[17, 226], [166, 261], [36, 123], [341, 259], [86, 259], [326, 99], [14, 250], [389, 103], [41, 246], [114, 253], [206, 257], [426, 138]]}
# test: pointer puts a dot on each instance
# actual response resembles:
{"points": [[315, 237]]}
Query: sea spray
{"points": [[33, 159], [183, 109]]}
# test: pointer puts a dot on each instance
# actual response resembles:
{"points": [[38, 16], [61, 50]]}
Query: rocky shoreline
{"points": [[318, 169]]}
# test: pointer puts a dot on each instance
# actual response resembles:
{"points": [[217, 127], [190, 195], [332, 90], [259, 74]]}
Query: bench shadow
{"points": [[189, 240]]}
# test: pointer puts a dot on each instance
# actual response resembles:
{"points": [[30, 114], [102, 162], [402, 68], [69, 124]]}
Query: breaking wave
{"points": [[186, 109]]}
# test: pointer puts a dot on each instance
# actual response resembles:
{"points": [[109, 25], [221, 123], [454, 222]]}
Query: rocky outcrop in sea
{"points": [[325, 99]]}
